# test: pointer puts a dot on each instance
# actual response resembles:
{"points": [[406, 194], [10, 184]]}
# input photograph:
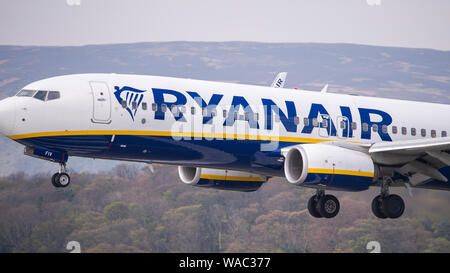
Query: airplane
{"points": [[230, 136]]}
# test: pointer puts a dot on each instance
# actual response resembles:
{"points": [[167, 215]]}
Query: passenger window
{"points": [[342, 124], [134, 105], [144, 106], [235, 115], [306, 121], [315, 123], [384, 129], [246, 116], [163, 107], [433, 133], [413, 131], [153, 106], [224, 113], [214, 113], [375, 128], [256, 116], [296, 120], [124, 104], [26, 93], [365, 127], [325, 123], [394, 129], [204, 112], [404, 130], [53, 95], [40, 95], [192, 110], [444, 134], [423, 132], [174, 109], [354, 125]]}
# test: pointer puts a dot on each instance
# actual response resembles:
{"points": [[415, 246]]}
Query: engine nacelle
{"points": [[220, 179], [328, 166]]}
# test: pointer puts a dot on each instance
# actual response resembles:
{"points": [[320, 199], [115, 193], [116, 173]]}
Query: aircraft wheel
{"points": [[54, 180], [328, 206], [393, 206], [376, 207], [312, 207], [61, 180]]}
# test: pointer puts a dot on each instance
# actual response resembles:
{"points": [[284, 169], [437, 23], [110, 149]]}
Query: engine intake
{"points": [[333, 167]]}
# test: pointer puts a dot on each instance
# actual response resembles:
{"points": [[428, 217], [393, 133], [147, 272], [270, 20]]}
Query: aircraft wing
{"points": [[416, 146], [419, 159]]}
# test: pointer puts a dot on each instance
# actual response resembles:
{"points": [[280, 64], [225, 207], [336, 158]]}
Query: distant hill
{"points": [[404, 73]]}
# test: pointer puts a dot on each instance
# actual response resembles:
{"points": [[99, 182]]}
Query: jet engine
{"points": [[328, 167], [220, 179]]}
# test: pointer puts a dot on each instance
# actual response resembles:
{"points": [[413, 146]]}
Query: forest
{"points": [[132, 209]]}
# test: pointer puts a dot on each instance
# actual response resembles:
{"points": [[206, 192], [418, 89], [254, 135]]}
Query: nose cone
{"points": [[7, 111]]}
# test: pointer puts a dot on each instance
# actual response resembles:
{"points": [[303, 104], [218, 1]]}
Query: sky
{"points": [[400, 23]]}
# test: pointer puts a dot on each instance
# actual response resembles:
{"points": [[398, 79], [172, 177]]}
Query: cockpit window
{"points": [[40, 95], [26, 93], [53, 95]]}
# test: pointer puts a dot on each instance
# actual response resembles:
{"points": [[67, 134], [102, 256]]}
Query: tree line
{"points": [[131, 209]]}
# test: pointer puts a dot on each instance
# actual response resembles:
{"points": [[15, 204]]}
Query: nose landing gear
{"points": [[61, 179]]}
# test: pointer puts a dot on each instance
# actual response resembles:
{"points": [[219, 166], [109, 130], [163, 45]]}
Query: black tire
{"points": [[328, 206], [393, 206], [55, 180], [312, 207], [63, 180], [376, 207]]}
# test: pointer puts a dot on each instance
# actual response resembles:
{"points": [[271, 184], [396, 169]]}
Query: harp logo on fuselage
{"points": [[130, 98]]}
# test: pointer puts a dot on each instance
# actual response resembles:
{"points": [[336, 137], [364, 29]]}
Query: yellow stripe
{"points": [[345, 172], [234, 178], [173, 134]]}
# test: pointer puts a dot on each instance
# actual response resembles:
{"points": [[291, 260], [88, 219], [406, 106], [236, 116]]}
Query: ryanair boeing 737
{"points": [[236, 137]]}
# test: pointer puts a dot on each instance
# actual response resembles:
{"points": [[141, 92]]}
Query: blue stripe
{"points": [[338, 181]]}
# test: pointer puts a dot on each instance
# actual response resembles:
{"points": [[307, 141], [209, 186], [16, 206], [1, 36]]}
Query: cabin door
{"points": [[102, 102]]}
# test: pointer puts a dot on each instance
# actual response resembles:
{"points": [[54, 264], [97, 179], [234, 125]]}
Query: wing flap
{"points": [[422, 168]]}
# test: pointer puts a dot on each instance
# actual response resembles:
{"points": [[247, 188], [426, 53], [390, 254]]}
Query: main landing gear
{"points": [[323, 205], [384, 205], [387, 205], [61, 179]]}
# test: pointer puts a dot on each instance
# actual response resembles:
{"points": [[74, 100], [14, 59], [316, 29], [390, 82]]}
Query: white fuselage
{"points": [[200, 114]]}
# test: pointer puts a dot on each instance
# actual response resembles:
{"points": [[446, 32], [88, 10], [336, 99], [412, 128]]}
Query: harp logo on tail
{"points": [[130, 98]]}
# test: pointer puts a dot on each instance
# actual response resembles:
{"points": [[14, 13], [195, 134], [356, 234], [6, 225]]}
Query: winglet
{"points": [[324, 89], [279, 80]]}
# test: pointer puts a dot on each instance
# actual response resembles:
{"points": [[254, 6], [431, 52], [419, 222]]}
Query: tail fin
{"points": [[279, 80]]}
